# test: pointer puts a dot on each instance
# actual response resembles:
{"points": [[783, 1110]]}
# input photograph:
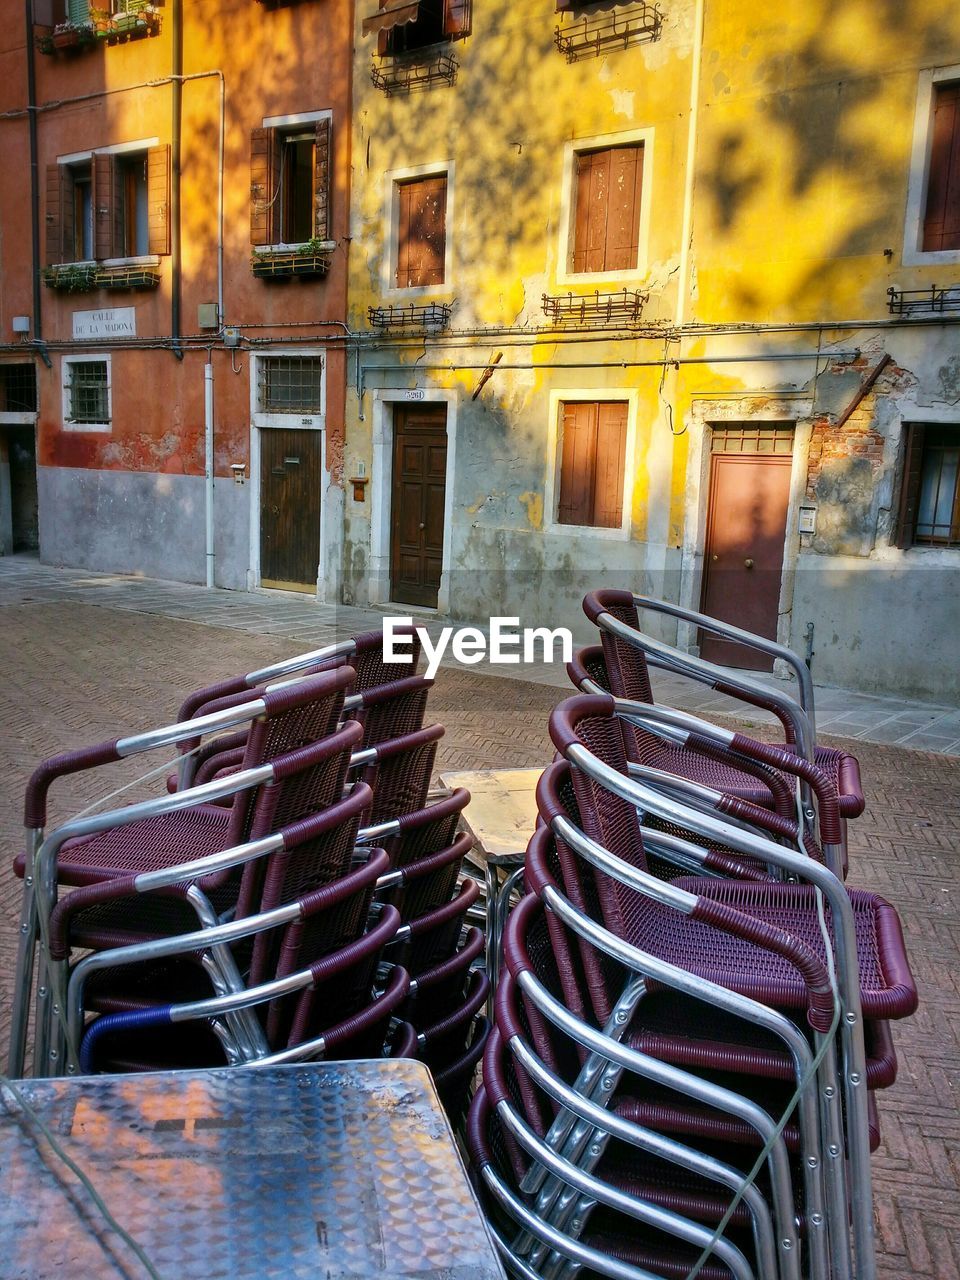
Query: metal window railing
{"points": [[290, 384]]}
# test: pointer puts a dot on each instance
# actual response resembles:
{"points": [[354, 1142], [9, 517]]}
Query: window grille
{"points": [[89, 392], [291, 384], [938, 509], [739, 438], [18, 388]]}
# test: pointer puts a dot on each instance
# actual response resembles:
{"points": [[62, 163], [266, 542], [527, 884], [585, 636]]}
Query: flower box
{"points": [[284, 266], [79, 278]]}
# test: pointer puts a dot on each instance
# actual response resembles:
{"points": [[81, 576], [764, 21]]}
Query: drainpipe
{"points": [[208, 463], [34, 172], [176, 130]]}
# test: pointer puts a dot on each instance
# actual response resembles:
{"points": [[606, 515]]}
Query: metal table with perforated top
{"points": [[322, 1170]]}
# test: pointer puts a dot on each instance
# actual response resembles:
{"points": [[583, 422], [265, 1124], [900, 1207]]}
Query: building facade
{"points": [[185, 324], [663, 297], [466, 306]]}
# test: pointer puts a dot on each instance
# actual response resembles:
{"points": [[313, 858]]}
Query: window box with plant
{"points": [[311, 259], [72, 277], [67, 37], [290, 217]]}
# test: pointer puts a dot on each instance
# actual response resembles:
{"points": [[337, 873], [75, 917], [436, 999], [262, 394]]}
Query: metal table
{"points": [[332, 1171], [501, 817]]}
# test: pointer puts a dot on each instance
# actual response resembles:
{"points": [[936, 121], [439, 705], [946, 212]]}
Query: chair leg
{"points": [[26, 957]]}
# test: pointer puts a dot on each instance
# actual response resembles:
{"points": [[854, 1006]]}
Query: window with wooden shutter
{"points": [[606, 233], [405, 27], [421, 232], [929, 513], [264, 165], [592, 459], [941, 222]]}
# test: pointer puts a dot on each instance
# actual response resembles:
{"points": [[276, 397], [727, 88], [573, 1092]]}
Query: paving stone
{"points": [[79, 670]]}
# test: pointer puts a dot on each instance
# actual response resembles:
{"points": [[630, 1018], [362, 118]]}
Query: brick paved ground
{"points": [[78, 672]]}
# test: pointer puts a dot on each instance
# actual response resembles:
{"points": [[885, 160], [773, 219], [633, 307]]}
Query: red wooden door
{"points": [[746, 525], [419, 487], [290, 480]]}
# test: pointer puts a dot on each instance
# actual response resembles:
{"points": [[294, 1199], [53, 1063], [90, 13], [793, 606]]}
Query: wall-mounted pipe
{"points": [[208, 466], [34, 174], [176, 130]]}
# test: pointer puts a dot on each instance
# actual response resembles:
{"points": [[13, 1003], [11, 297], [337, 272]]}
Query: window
{"points": [[113, 205], [86, 393], [932, 226], [592, 451], [606, 228], [18, 388], [941, 217], [290, 384], [133, 239], [421, 231], [930, 491], [290, 181], [417, 24]]}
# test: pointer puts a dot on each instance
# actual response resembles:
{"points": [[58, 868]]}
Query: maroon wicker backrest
{"points": [[301, 867], [368, 661], [293, 718], [424, 831], [400, 776], [431, 880], [393, 709], [332, 918]]}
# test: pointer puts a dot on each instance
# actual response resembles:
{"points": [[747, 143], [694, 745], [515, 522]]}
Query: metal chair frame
{"points": [[851, 1023], [214, 938]]}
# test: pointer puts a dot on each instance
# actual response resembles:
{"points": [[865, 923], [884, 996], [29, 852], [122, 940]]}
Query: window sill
{"points": [[101, 427], [620, 534], [932, 258], [631, 275]]}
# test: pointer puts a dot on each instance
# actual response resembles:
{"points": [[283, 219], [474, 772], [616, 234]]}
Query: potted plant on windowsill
{"points": [[71, 35], [309, 259], [75, 277]]}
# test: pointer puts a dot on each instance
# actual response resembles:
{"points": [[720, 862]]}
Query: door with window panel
{"points": [[290, 389]]}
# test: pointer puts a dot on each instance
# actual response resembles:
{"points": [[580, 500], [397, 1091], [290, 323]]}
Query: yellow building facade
{"points": [[620, 279]]}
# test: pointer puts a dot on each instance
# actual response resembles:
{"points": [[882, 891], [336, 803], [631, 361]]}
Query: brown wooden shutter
{"points": [[607, 221], [264, 165], [322, 156], [910, 483], [104, 198], [578, 460], [456, 19], [611, 448], [941, 222], [421, 232], [564, 6], [158, 199], [590, 227], [623, 209], [57, 180], [47, 13]]}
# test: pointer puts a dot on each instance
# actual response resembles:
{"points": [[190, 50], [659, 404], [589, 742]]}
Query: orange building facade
{"points": [[173, 266]]}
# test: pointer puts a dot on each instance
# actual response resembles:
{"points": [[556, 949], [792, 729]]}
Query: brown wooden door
{"points": [[419, 486], [746, 525], [290, 479]]}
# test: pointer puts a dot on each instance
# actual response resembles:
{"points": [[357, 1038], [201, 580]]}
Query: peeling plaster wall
{"points": [[141, 523]]}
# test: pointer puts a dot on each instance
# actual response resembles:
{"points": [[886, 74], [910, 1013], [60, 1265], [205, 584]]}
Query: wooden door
{"points": [[418, 490], [743, 563], [290, 479]]}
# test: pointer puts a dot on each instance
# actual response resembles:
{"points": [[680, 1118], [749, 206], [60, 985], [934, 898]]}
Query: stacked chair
{"points": [[693, 1013], [293, 894]]}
